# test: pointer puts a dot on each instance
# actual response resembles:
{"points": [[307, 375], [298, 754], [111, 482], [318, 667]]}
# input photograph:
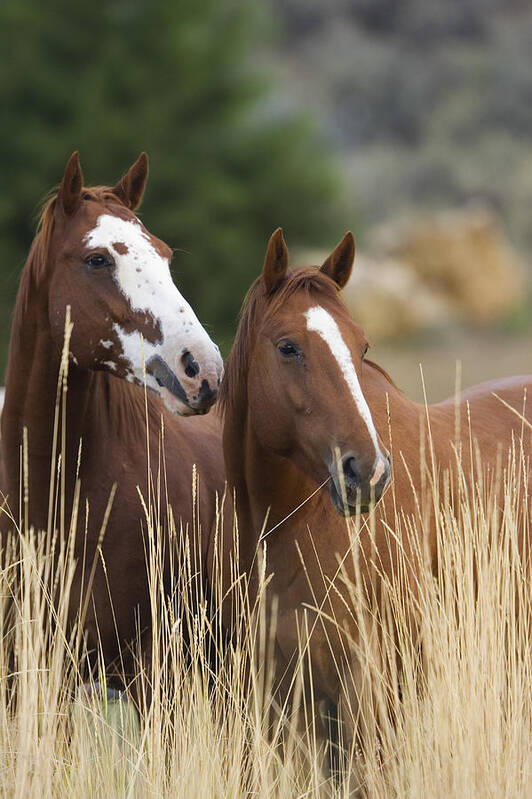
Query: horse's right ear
{"points": [[339, 264], [70, 190], [130, 187], [276, 261]]}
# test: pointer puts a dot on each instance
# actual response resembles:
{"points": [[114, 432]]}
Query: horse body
{"points": [[112, 427], [289, 407]]}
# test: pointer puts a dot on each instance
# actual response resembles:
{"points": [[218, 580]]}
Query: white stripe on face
{"points": [[321, 322], [143, 276]]}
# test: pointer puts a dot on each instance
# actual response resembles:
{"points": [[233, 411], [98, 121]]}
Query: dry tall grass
{"points": [[445, 712]]}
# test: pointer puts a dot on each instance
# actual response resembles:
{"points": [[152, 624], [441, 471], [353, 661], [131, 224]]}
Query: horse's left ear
{"points": [[70, 190], [340, 262], [131, 187], [275, 261]]}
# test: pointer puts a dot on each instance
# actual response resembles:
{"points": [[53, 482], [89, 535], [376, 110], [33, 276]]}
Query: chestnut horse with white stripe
{"points": [[130, 325], [304, 408]]}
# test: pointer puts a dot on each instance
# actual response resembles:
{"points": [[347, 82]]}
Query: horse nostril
{"points": [[207, 395], [351, 473], [190, 366]]}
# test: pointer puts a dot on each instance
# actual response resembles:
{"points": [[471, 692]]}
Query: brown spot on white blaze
{"points": [[143, 322], [120, 247], [109, 355]]}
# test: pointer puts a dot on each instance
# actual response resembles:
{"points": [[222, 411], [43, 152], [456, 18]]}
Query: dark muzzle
{"points": [[351, 488], [164, 376]]}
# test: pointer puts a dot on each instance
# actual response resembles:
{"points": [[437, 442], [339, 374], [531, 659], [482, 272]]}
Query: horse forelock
{"points": [[259, 306]]}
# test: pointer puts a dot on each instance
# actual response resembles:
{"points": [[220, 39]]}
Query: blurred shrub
{"points": [[114, 77], [389, 301], [463, 257], [433, 272]]}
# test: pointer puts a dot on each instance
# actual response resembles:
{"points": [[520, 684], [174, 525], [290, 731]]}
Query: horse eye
{"points": [[98, 261], [287, 349], [366, 348]]}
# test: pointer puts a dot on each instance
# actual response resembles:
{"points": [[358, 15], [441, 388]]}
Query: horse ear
{"points": [[131, 187], [340, 262], [70, 190], [276, 261]]}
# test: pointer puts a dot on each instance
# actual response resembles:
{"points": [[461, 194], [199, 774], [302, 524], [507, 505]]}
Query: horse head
{"points": [[301, 355], [128, 316]]}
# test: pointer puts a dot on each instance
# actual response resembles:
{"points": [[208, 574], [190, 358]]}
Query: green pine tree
{"points": [[177, 79]]}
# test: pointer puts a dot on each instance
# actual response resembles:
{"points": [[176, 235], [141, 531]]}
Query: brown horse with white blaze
{"points": [[130, 325], [303, 408]]}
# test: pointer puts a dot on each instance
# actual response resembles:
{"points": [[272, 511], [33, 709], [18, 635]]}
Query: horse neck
{"points": [[267, 486], [407, 428], [385, 400], [30, 400]]}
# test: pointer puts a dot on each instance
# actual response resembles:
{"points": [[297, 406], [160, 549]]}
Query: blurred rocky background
{"points": [[409, 121], [441, 287]]}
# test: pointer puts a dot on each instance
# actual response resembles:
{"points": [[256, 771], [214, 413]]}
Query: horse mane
{"points": [[34, 267], [258, 304], [383, 372]]}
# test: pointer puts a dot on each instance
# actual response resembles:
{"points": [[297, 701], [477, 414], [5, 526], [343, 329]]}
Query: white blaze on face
{"points": [[321, 322], [143, 276]]}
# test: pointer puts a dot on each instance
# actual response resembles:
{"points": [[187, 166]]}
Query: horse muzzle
{"points": [[355, 488], [186, 394]]}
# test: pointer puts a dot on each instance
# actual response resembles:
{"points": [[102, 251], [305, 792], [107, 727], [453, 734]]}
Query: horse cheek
{"points": [[60, 298], [297, 397]]}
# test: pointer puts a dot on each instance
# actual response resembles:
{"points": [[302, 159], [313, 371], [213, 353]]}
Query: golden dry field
{"points": [[443, 706]]}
